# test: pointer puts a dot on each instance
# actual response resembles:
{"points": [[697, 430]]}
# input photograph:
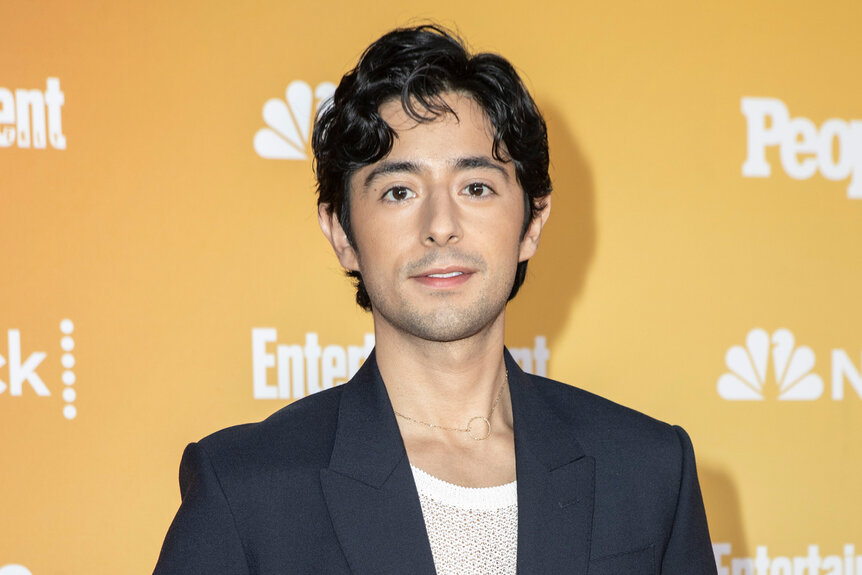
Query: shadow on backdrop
{"points": [[557, 273], [555, 282], [723, 509]]}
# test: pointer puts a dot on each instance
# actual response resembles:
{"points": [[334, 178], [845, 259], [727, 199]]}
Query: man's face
{"points": [[437, 225]]}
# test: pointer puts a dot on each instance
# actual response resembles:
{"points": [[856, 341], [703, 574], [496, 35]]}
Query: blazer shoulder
{"points": [[297, 435], [597, 418], [625, 443]]}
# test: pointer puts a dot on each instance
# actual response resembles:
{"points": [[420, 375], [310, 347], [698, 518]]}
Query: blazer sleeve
{"points": [[689, 550], [203, 538]]}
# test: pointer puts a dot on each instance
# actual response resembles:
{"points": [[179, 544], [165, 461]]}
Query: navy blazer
{"points": [[324, 486]]}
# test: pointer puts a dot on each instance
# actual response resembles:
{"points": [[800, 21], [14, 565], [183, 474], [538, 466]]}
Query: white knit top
{"points": [[472, 530]]}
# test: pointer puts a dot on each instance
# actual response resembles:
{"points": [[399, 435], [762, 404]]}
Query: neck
{"points": [[445, 383]]}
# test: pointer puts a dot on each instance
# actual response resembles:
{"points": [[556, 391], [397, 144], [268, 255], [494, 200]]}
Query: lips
{"points": [[447, 277]]}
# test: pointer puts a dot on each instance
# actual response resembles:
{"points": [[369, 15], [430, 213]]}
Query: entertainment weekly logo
{"points": [[21, 363], [845, 562], [834, 149], [772, 366], [292, 371], [30, 118], [289, 121]]}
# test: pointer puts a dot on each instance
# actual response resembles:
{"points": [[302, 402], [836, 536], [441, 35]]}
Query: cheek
{"points": [[362, 226], [503, 232], [378, 245]]}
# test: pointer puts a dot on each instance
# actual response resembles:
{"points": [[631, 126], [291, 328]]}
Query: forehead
{"points": [[467, 130], [465, 108], [448, 144]]}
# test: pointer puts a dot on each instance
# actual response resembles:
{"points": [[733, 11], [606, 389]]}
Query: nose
{"points": [[442, 221]]}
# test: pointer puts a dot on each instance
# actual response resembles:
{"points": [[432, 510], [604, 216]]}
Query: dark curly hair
{"points": [[418, 65]]}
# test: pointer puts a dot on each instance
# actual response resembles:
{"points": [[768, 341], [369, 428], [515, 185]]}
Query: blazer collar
{"points": [[368, 444], [368, 487], [541, 426], [556, 479], [375, 508]]}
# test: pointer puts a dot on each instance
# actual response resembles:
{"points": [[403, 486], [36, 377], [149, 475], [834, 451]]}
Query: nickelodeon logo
{"points": [[773, 367], [289, 121], [23, 117], [835, 149], [14, 569], [22, 368], [301, 370]]}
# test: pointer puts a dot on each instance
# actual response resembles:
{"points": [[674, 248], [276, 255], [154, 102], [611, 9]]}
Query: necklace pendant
{"points": [[480, 433]]}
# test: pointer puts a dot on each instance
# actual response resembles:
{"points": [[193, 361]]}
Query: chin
{"points": [[449, 325]]}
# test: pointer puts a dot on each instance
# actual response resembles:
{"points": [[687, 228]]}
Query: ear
{"points": [[333, 231], [530, 243]]}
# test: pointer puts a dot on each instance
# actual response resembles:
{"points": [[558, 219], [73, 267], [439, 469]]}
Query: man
{"points": [[440, 455]]}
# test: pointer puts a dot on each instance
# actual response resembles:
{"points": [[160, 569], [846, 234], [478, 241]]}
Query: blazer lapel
{"points": [[556, 482], [369, 488]]}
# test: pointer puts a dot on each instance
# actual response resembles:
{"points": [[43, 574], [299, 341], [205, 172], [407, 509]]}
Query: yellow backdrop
{"points": [[164, 277]]}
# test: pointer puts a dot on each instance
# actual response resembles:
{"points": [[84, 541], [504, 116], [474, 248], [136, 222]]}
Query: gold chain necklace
{"points": [[469, 428]]}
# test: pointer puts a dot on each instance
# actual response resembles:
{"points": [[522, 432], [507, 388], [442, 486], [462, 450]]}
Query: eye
{"points": [[478, 190], [398, 194]]}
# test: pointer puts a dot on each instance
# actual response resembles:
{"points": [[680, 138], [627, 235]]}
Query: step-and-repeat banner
{"points": [[163, 274]]}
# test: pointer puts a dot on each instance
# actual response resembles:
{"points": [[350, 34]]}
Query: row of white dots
{"points": [[67, 344]]}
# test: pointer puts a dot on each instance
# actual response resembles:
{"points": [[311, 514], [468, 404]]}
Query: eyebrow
{"points": [[410, 167], [485, 162], [387, 167]]}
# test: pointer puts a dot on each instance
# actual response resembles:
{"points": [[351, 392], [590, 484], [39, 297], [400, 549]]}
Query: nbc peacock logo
{"points": [[289, 121], [770, 367]]}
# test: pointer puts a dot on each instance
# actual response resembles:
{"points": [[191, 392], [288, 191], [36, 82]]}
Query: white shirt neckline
{"points": [[485, 498]]}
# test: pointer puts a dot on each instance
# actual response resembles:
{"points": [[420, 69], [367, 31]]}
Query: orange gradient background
{"points": [[166, 239]]}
